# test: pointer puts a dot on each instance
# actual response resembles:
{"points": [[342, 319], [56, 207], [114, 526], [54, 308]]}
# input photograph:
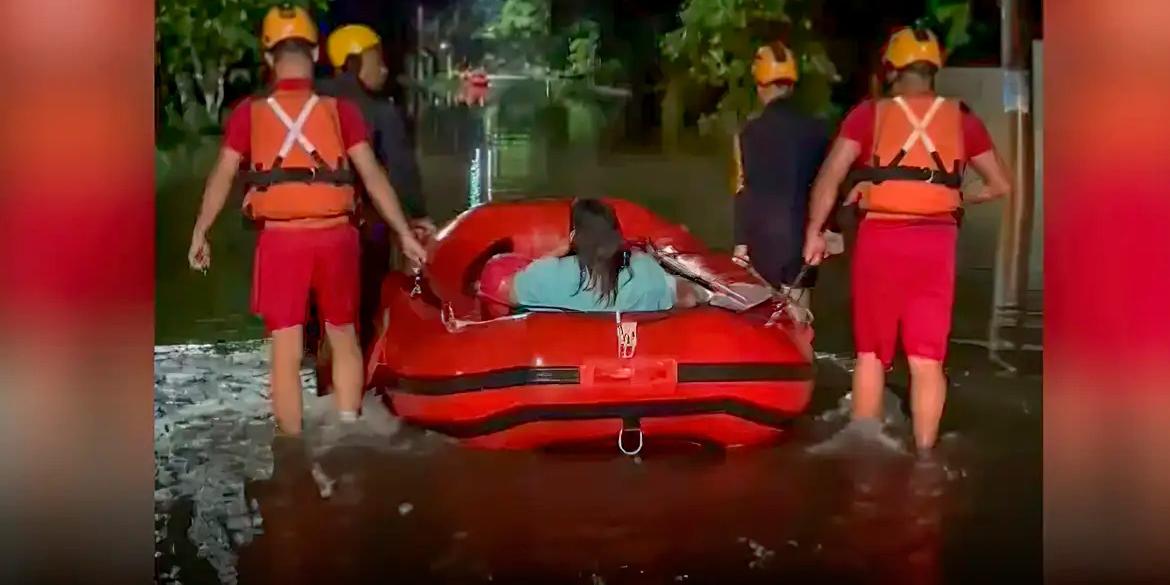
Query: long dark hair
{"points": [[599, 247]]}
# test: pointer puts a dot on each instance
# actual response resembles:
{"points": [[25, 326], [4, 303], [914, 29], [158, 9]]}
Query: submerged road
{"points": [[409, 507], [394, 504]]}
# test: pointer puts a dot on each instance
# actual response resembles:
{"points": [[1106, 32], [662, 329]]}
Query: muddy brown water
{"points": [[419, 509]]}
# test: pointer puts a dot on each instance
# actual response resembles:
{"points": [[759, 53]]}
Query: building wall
{"points": [[982, 90], [1036, 260]]}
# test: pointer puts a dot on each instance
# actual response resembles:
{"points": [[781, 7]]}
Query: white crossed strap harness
{"points": [[895, 171], [295, 128], [320, 173], [919, 126]]}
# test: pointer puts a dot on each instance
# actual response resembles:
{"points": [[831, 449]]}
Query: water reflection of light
{"points": [[474, 194], [490, 144], [489, 174]]}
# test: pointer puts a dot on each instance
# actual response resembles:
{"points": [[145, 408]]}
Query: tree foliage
{"points": [[201, 46], [951, 19], [584, 42], [716, 44], [520, 31]]}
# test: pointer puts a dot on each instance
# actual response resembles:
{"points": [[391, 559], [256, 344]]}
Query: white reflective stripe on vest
{"points": [[295, 128], [919, 126]]}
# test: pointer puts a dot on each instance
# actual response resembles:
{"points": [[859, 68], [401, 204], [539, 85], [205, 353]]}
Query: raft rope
{"points": [[785, 296]]}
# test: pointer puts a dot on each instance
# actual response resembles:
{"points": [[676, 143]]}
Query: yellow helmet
{"points": [[351, 39], [909, 45], [768, 67], [287, 22]]}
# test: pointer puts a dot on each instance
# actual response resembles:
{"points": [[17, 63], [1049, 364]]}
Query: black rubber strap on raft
{"points": [[631, 423], [521, 415], [570, 375]]}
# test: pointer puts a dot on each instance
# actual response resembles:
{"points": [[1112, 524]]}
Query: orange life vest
{"points": [[917, 164], [300, 170]]}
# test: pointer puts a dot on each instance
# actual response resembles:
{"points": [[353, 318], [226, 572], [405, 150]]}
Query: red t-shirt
{"points": [[237, 130], [859, 122]]}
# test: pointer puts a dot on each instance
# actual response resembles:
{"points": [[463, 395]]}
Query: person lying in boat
{"points": [[595, 273]]}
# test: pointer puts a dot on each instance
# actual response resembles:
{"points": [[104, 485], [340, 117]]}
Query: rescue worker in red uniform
{"points": [[302, 151], [777, 155], [910, 151]]}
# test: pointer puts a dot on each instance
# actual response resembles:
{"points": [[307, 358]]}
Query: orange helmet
{"points": [[768, 67], [909, 45], [287, 22]]}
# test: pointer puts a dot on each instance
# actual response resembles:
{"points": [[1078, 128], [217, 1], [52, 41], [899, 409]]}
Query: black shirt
{"points": [[780, 152], [388, 138]]}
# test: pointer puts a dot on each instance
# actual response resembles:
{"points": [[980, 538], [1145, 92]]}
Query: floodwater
{"points": [[395, 504]]}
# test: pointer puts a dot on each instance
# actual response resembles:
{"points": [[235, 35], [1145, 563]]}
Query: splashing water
{"points": [[761, 554], [843, 361], [892, 413], [375, 429], [213, 431]]}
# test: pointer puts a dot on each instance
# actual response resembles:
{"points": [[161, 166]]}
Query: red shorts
{"points": [[292, 263], [904, 275]]}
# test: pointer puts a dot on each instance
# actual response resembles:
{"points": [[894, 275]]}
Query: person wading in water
{"points": [[355, 52], [777, 155], [912, 148], [300, 147]]}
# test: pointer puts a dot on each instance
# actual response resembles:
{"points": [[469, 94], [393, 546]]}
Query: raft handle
{"points": [[630, 427]]}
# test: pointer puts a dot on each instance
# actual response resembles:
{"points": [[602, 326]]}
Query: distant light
{"points": [[474, 195]]}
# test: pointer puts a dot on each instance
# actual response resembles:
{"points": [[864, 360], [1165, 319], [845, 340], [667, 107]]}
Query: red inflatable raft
{"points": [[734, 374]]}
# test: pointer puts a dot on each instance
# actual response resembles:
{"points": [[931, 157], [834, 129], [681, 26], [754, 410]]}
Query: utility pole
{"points": [[418, 49], [1009, 310], [417, 97]]}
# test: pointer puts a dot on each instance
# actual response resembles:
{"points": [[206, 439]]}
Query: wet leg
{"points": [[878, 303], [928, 394], [864, 431], [869, 380], [927, 327], [347, 369], [287, 352], [337, 280]]}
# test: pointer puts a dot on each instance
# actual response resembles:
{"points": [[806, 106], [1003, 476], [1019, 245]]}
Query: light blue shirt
{"points": [[556, 282]]}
